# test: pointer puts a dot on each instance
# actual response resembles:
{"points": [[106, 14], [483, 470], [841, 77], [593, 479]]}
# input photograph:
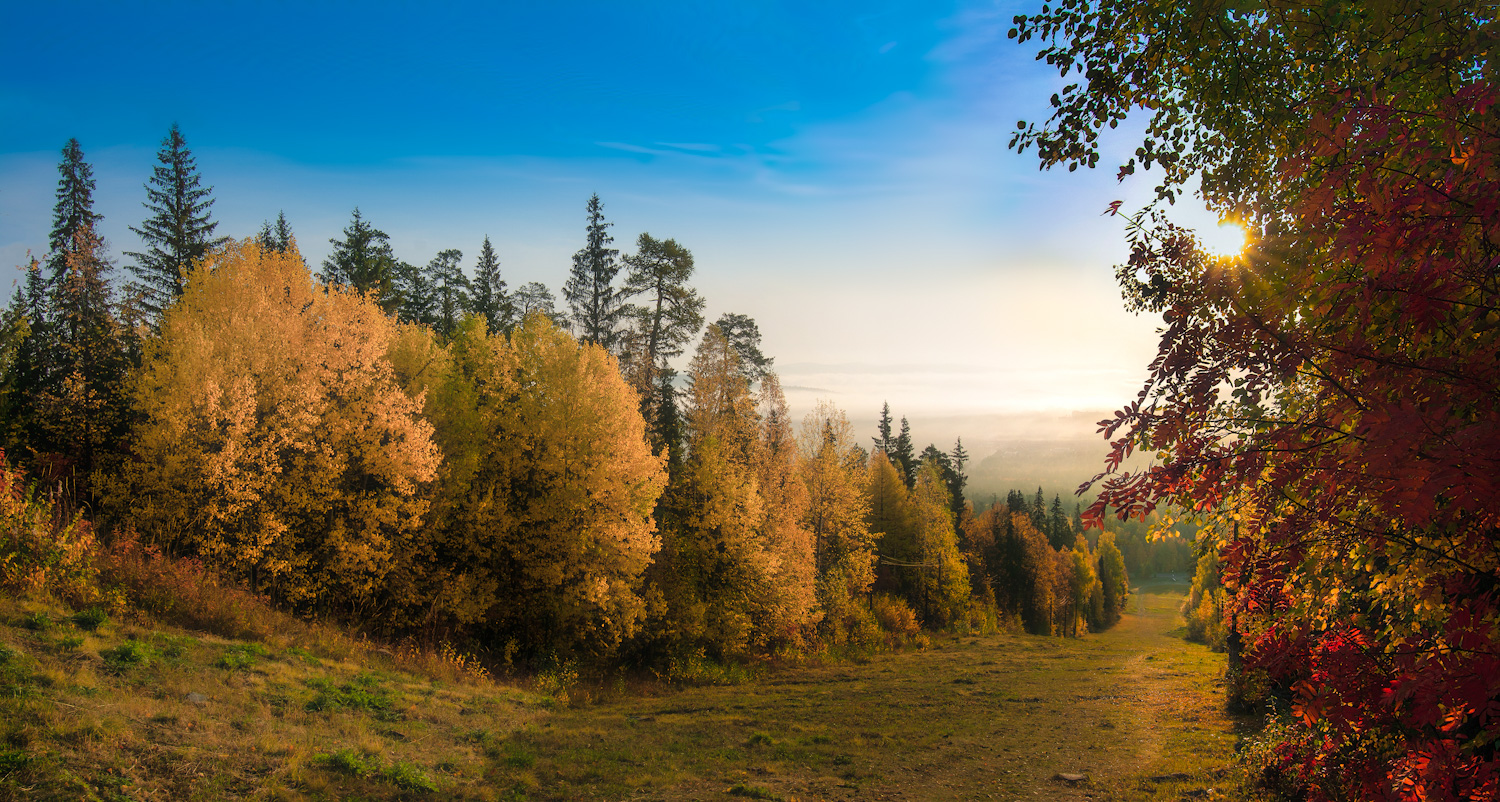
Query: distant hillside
{"points": [[1058, 466]]}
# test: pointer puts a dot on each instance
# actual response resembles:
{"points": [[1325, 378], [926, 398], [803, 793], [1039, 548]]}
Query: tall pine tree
{"points": [[533, 296], [669, 312], [1059, 528], [450, 289], [958, 480], [885, 442], [489, 298], [84, 413], [744, 337], [180, 230], [594, 303], [74, 211], [363, 260], [904, 456]]}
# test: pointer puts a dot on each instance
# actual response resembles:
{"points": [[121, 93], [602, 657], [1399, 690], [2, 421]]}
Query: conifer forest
{"points": [[403, 523]]}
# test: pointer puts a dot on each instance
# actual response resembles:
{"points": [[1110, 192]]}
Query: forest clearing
{"points": [[991, 717], [130, 712]]}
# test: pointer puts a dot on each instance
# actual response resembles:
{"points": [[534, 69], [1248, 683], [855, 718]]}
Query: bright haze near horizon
{"points": [[839, 171]]}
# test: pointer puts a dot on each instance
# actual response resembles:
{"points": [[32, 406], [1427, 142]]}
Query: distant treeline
{"points": [[427, 453]]}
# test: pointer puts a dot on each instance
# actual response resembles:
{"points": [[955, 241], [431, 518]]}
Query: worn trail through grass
{"points": [[1135, 708]]}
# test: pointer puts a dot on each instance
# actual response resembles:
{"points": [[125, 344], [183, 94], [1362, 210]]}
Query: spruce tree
{"points": [[278, 237], [744, 337], [363, 260], [884, 442], [14, 330], [666, 429], [904, 457], [489, 298], [83, 404], [958, 458], [1059, 528], [27, 368], [1039, 511], [593, 302], [74, 210], [179, 231]]}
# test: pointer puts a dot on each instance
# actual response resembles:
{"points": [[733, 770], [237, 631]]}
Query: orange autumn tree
{"points": [[272, 437], [792, 609]]}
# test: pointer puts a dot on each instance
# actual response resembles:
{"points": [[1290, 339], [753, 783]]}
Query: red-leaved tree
{"points": [[1329, 401]]}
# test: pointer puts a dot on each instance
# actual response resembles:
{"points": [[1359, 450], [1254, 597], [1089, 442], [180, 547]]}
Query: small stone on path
{"points": [[197, 698], [1069, 778]]}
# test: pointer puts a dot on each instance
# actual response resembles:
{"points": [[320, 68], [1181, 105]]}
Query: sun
{"points": [[1226, 240]]}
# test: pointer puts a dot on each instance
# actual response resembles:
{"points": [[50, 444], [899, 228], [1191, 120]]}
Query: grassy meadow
{"points": [[116, 710]]}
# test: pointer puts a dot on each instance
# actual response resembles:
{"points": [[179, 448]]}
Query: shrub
{"points": [[557, 680], [446, 661], [90, 619], [43, 549], [183, 591], [980, 618], [895, 616], [694, 667]]}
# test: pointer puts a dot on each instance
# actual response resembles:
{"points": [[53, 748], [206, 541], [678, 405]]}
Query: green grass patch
{"points": [[351, 763], [363, 695], [241, 657], [91, 619], [347, 762], [131, 654]]}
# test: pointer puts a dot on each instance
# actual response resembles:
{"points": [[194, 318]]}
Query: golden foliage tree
{"points": [[843, 548], [713, 556], [890, 522], [1082, 584], [942, 583], [736, 567], [273, 439], [792, 608], [549, 489]]}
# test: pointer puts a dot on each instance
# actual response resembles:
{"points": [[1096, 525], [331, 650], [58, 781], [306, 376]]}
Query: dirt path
{"points": [[970, 718]]}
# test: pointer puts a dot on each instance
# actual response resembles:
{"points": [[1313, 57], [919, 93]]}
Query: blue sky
{"points": [[839, 169]]}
